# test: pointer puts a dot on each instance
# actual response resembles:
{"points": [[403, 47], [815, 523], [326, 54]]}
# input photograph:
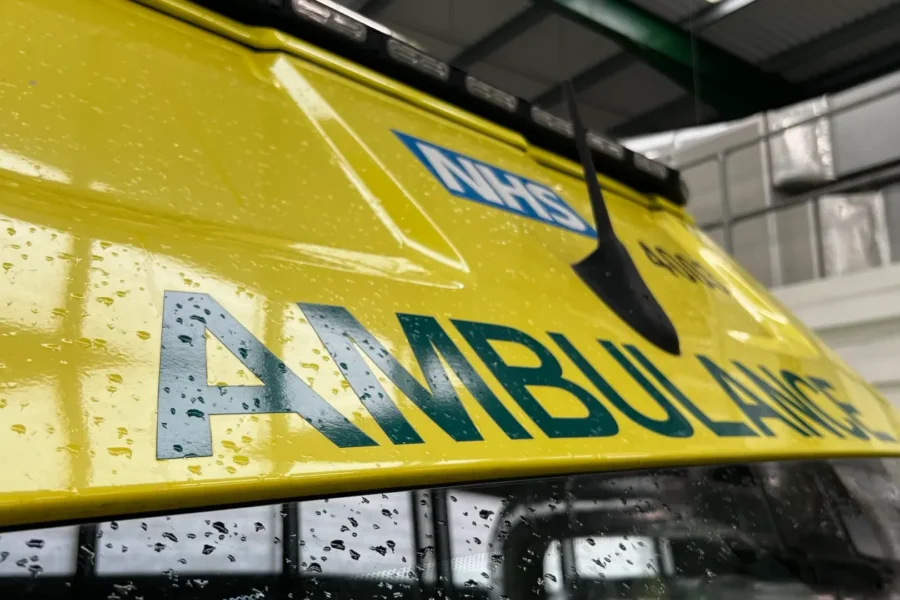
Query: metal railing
{"points": [[775, 201]]}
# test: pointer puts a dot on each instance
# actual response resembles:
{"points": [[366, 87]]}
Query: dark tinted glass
{"points": [[771, 530]]}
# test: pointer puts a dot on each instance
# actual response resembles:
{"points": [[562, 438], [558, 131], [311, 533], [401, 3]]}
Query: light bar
{"points": [[551, 121], [335, 28], [489, 93], [331, 19], [651, 167], [418, 60], [607, 147]]}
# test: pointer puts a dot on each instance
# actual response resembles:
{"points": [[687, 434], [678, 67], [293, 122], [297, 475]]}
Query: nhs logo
{"points": [[471, 179]]}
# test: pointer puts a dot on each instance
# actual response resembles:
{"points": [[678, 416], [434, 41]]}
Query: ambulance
{"points": [[290, 308]]}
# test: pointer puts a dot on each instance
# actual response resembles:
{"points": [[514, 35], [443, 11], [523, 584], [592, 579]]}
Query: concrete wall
{"points": [[858, 316]]}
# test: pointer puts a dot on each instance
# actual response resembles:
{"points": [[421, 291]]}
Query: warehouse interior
{"points": [[783, 119]]}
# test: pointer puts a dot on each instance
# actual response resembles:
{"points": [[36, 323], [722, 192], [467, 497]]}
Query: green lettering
{"points": [[853, 414], [720, 428], [340, 331], [755, 409], [804, 402], [787, 401], [674, 425], [517, 380], [425, 336], [796, 381]]}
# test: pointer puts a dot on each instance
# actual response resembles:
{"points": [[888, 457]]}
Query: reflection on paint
{"points": [[29, 167], [35, 263], [319, 112]]}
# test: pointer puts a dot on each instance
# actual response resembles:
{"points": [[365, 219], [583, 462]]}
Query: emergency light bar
{"points": [[340, 30]]}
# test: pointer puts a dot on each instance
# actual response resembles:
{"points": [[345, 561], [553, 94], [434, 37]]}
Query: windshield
{"points": [[771, 530]]}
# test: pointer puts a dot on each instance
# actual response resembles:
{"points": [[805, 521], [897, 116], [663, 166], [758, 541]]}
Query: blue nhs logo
{"points": [[468, 178]]}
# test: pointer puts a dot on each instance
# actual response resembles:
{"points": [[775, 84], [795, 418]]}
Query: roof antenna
{"points": [[609, 270]]}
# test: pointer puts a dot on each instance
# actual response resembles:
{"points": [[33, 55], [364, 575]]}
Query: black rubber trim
{"points": [[86, 558], [372, 53]]}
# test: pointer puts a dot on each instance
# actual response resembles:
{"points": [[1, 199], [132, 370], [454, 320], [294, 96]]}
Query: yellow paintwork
{"points": [[140, 153]]}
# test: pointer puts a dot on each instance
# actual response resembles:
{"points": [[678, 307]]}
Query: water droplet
{"points": [[120, 451], [18, 428], [143, 335], [220, 527]]}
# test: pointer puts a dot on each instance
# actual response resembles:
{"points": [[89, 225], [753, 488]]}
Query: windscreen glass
{"points": [[770, 530]]}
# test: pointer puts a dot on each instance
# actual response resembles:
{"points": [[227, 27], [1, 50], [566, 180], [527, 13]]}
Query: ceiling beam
{"points": [[499, 37], [596, 73], [869, 67], [732, 86], [884, 20]]}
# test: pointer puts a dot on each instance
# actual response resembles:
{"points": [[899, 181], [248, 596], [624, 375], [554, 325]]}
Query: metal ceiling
{"points": [[640, 66]]}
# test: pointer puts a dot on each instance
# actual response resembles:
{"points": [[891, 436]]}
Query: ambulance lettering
{"points": [[772, 404]]}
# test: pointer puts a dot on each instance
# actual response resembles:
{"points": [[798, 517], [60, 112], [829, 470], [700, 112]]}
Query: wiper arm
{"points": [[609, 270]]}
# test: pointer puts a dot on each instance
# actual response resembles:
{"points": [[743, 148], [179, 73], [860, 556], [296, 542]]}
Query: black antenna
{"points": [[609, 270]]}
